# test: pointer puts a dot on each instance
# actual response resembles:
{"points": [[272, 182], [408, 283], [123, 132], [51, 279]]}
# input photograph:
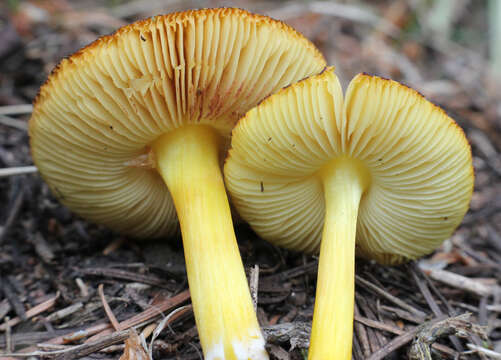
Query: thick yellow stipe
{"points": [[344, 181], [187, 159]]}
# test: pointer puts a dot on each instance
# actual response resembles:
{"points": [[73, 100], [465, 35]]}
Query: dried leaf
{"points": [[134, 350]]}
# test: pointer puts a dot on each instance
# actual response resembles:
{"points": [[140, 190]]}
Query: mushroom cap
{"points": [[101, 108], [417, 161]]}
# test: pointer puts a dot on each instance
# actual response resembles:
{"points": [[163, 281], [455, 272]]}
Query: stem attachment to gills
{"points": [[187, 160]]}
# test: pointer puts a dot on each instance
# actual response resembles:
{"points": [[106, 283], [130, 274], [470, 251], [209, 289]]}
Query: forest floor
{"points": [[62, 278]]}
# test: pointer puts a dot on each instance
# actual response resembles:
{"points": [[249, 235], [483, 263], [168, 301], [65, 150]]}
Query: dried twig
{"points": [[67, 311], [77, 351], [5, 307], [10, 293], [376, 338], [104, 341], [16, 109], [482, 350], [254, 284], [15, 123], [13, 213], [21, 170], [38, 309], [461, 282], [149, 314], [42, 247], [422, 285], [378, 325], [370, 286], [125, 275], [107, 309], [290, 273], [362, 335], [168, 319], [8, 337], [113, 246]]}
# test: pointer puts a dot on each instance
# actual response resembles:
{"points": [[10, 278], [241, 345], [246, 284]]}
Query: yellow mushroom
{"points": [[383, 174], [132, 129]]}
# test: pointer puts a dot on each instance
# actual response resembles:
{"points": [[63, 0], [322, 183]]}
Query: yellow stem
{"points": [[344, 181], [188, 161]]}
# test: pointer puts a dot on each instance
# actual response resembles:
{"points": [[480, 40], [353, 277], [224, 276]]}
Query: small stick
{"points": [[8, 335], [460, 282], [376, 338], [84, 290], [437, 292], [77, 351], [40, 308], [15, 123], [16, 109], [79, 334], [292, 273], [167, 320], [114, 245], [125, 275], [21, 170], [5, 307], [254, 284], [389, 297], [10, 293], [100, 330], [378, 325], [148, 330], [362, 335], [432, 303], [494, 308], [107, 309], [61, 314], [357, 353], [482, 350], [13, 213], [149, 313], [426, 294], [42, 247], [402, 314]]}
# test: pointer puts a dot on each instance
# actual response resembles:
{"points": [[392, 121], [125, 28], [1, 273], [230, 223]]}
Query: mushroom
{"points": [[383, 174], [131, 129]]}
